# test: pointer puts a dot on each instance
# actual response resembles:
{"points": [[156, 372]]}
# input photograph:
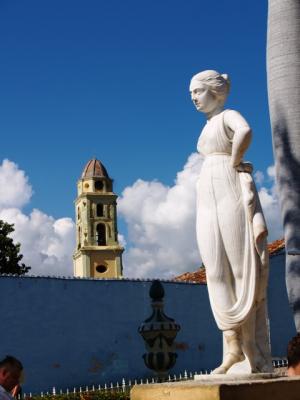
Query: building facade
{"points": [[98, 253]]}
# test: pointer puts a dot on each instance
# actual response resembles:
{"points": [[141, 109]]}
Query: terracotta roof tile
{"points": [[276, 246], [198, 276], [94, 168]]}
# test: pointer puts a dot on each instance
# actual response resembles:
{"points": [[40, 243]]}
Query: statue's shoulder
{"points": [[231, 113], [233, 120], [233, 117]]}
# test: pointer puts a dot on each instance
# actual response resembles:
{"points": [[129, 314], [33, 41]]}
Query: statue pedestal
{"points": [[222, 387]]}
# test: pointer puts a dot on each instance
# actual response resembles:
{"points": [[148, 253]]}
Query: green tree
{"points": [[10, 256]]}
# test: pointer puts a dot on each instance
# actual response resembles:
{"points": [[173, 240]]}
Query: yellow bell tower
{"points": [[98, 253]]}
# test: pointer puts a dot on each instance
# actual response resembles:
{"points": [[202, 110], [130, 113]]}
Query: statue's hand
{"points": [[245, 167]]}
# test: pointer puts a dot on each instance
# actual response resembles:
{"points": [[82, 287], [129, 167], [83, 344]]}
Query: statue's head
{"points": [[209, 90]]}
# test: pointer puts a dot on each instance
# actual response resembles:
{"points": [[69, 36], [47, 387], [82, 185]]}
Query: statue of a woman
{"points": [[231, 230]]}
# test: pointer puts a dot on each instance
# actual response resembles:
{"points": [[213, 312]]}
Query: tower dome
{"points": [[94, 169]]}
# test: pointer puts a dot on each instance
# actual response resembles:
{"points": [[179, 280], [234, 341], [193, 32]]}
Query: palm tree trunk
{"points": [[283, 67]]}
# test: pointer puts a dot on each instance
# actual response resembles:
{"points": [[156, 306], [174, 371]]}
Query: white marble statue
{"points": [[231, 230]]}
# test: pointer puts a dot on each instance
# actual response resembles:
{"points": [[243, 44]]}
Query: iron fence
{"points": [[125, 385]]}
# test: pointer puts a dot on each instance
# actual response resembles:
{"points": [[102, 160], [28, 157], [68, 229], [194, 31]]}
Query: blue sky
{"points": [[110, 79]]}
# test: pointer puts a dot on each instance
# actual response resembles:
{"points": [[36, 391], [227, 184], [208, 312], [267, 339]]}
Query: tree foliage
{"points": [[97, 395], [10, 256]]}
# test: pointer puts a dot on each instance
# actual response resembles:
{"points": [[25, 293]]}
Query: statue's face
{"points": [[204, 100]]}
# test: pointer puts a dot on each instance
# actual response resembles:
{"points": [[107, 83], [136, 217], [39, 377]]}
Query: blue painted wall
{"points": [[77, 332], [72, 332]]}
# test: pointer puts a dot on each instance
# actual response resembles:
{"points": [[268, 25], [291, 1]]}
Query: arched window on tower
{"points": [[79, 238], [100, 210], [101, 235], [99, 185]]}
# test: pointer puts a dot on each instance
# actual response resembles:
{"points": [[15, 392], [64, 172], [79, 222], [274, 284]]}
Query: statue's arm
{"points": [[241, 134]]}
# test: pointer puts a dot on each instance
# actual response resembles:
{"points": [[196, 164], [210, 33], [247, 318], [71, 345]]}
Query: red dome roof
{"points": [[94, 169]]}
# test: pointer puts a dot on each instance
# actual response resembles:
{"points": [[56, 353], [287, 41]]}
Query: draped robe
{"points": [[231, 234]]}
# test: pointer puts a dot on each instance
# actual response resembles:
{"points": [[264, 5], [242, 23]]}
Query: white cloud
{"points": [[122, 240], [15, 191], [161, 225], [271, 171], [46, 244], [270, 204], [259, 177], [161, 222]]}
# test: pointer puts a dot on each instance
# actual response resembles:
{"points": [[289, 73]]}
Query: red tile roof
{"points": [[199, 276], [275, 246], [94, 168]]}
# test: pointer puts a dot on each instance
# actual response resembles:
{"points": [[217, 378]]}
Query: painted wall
{"points": [[72, 332]]}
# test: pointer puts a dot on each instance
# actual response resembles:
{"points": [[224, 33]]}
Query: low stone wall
{"points": [[77, 332]]}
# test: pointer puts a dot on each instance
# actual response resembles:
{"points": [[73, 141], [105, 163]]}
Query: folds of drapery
{"points": [[255, 263]]}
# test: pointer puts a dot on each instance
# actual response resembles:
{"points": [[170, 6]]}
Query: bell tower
{"points": [[98, 253]]}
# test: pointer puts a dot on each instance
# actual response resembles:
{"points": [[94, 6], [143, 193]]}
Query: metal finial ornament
{"points": [[159, 333]]}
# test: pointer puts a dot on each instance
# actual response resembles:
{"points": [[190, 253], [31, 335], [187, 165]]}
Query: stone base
{"points": [[236, 378], [222, 387]]}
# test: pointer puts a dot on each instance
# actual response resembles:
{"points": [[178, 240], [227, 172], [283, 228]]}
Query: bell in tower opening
{"points": [[98, 253]]}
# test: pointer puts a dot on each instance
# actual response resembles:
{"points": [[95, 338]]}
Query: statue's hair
{"points": [[218, 83]]}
